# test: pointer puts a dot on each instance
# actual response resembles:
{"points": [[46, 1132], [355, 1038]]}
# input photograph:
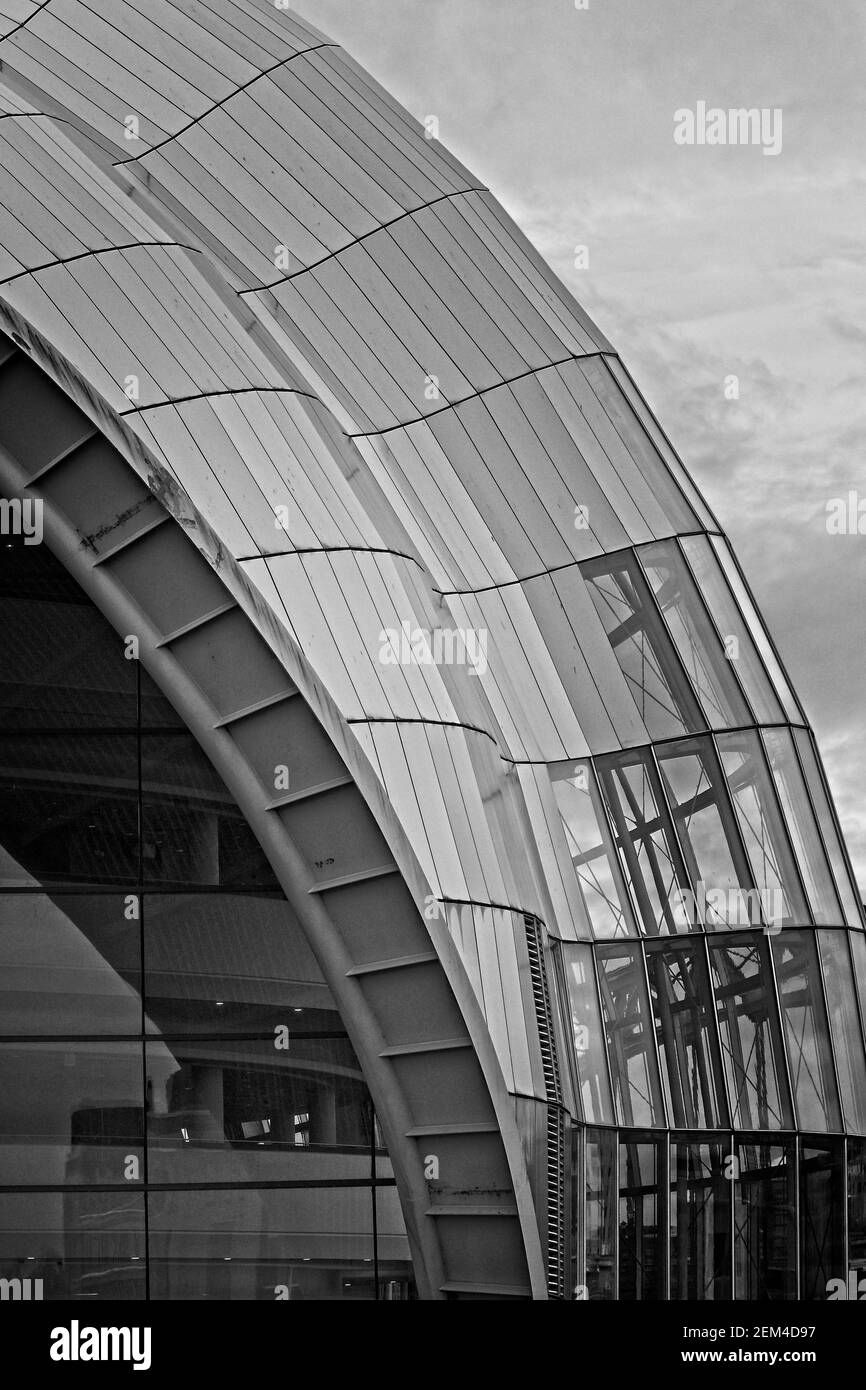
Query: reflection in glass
{"points": [[708, 838], [600, 1213], [642, 646], [765, 1226], [69, 963], [762, 828], [809, 1057], [239, 1111], [192, 831], [857, 1207], [827, 822], [70, 1112], [81, 1245], [822, 1202], [802, 827], [313, 1243], [750, 1035], [641, 1234], [700, 1222], [61, 664], [589, 1049], [68, 809], [650, 856], [845, 1027], [630, 1041], [231, 963], [691, 1067], [592, 853], [696, 639], [718, 592]]}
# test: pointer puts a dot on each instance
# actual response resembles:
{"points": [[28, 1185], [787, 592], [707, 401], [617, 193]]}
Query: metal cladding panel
{"points": [[13, 105], [251, 31], [374, 104], [458, 230], [343, 607], [54, 204], [52, 54], [163, 65], [547, 470], [143, 313], [426, 493], [432, 307], [487, 936], [247, 450], [14, 13]]}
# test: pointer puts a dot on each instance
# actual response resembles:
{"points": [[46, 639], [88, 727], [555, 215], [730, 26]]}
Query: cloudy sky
{"points": [[704, 261]]}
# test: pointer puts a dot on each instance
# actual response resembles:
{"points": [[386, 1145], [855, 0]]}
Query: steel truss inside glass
{"points": [[713, 1018], [716, 1215]]}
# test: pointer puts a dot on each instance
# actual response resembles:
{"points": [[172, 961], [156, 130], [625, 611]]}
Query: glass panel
{"points": [[750, 1034], [765, 1230], [694, 635], [192, 831], [70, 1113], [700, 1222], [858, 954], [809, 1057], [61, 664], [691, 1067], [650, 856], [313, 1243], [828, 824], [845, 1028], [601, 1205], [739, 647], [68, 809], [822, 1235], [394, 1265], [800, 818], [69, 963], [764, 705], [256, 1111], [231, 963], [641, 1234], [762, 828], [630, 1041], [592, 852], [642, 646], [589, 1048], [723, 895], [81, 1245], [857, 1208]]}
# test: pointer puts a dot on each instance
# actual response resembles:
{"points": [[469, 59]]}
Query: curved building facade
{"points": [[418, 874]]}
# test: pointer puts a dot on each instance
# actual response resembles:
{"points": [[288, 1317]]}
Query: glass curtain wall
{"points": [[182, 1115], [728, 960]]}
